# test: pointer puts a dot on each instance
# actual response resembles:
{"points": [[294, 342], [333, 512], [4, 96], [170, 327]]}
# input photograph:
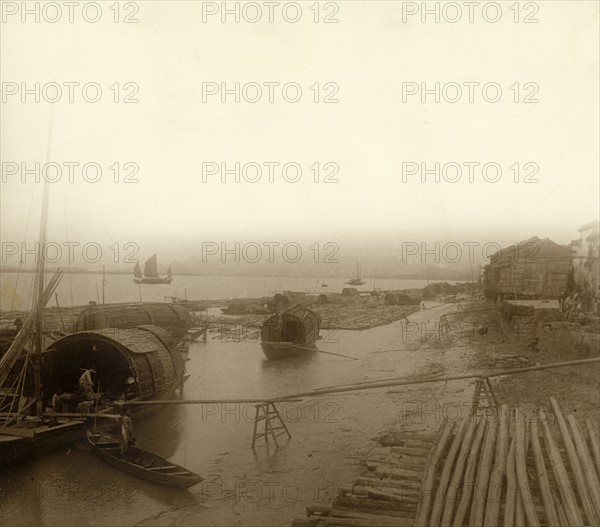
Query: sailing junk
{"points": [[357, 280], [290, 332], [150, 275]]}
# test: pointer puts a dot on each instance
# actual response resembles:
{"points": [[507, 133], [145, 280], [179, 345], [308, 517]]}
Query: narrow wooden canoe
{"points": [[142, 464]]}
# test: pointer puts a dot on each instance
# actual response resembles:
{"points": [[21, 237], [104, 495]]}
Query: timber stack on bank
{"points": [[509, 467]]}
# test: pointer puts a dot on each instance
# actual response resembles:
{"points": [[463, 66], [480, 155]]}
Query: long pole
{"points": [[41, 271], [103, 282], [371, 386]]}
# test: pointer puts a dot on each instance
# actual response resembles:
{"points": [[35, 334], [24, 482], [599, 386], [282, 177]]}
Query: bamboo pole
{"points": [[594, 443], [170, 402], [581, 486], [591, 479], [467, 489], [438, 505], [401, 381], [511, 487], [495, 488], [540, 466], [458, 474], [558, 467], [521, 470], [483, 476], [560, 510], [428, 480]]}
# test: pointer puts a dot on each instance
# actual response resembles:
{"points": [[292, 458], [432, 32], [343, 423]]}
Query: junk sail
{"points": [[151, 275]]}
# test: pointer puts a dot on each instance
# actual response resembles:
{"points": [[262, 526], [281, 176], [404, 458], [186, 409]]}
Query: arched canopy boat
{"points": [[290, 332], [133, 362], [174, 318]]}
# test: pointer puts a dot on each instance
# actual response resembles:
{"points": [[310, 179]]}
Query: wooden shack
{"points": [[532, 269]]}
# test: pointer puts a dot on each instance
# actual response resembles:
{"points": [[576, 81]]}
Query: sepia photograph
{"points": [[301, 263]]}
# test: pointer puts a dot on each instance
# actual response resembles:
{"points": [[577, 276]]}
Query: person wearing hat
{"points": [[86, 383]]}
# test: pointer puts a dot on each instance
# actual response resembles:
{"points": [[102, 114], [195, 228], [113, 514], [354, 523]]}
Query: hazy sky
{"points": [[369, 133]]}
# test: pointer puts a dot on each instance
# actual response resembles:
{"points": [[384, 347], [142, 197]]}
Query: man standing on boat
{"points": [[127, 432], [87, 384]]}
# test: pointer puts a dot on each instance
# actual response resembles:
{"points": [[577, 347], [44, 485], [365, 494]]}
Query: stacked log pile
{"points": [[387, 493], [507, 468], [359, 314]]}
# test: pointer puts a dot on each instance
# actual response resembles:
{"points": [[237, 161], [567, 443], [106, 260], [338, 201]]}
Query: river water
{"points": [[268, 486], [79, 289]]}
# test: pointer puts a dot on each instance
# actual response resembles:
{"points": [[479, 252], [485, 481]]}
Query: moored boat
{"points": [[142, 464], [289, 333]]}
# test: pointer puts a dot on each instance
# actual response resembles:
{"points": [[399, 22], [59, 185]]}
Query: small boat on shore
{"points": [[142, 464], [290, 333]]}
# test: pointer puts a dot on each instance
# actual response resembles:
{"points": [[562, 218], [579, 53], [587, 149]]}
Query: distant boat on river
{"points": [[151, 275], [357, 280]]}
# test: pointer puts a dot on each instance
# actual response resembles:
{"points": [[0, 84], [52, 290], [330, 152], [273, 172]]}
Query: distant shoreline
{"points": [[125, 273]]}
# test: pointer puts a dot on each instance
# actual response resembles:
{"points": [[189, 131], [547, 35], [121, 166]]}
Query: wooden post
{"points": [[458, 473], [575, 465], [560, 473], [511, 487], [467, 489], [521, 470], [483, 475], [594, 443], [586, 463], [495, 489], [429, 477], [545, 490], [443, 483]]}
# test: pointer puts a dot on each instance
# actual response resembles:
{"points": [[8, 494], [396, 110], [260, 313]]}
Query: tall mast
{"points": [[41, 278]]}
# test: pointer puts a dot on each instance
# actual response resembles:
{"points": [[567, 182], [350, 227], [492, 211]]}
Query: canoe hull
{"points": [[143, 464], [282, 350]]}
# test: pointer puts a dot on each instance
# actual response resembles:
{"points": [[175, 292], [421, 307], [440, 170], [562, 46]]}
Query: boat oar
{"points": [[326, 352]]}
